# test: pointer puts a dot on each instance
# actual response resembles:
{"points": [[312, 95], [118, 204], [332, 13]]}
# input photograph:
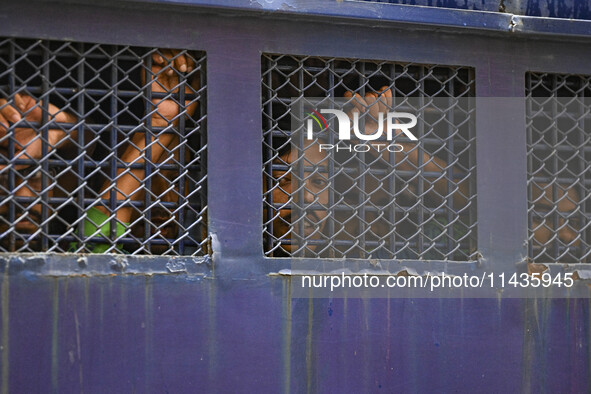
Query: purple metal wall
{"points": [[229, 326], [173, 334]]}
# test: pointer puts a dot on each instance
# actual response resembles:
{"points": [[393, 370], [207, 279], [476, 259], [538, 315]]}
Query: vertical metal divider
{"points": [[420, 169], [472, 197], [300, 163], [529, 152], [202, 152], [391, 176], [554, 166], [451, 208], [149, 140], [11, 171], [113, 206], [501, 183], [331, 169], [235, 211], [179, 206], [80, 170], [269, 207], [583, 221], [44, 148], [362, 168]]}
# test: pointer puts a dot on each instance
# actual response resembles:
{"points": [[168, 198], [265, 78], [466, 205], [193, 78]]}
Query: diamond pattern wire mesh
{"points": [[102, 148], [372, 205], [559, 157]]}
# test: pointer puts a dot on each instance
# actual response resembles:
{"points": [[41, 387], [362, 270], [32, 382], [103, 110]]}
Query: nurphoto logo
{"points": [[391, 120]]}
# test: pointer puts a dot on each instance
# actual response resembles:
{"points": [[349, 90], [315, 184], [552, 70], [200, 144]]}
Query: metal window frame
{"points": [[105, 61], [500, 47], [538, 173], [405, 80]]}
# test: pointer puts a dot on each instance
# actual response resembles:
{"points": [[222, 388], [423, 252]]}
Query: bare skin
{"points": [[407, 160], [166, 63], [28, 145], [316, 191], [165, 114], [565, 204], [164, 186]]}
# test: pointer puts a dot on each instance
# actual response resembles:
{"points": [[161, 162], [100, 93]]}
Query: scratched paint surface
{"points": [[546, 8], [172, 333]]}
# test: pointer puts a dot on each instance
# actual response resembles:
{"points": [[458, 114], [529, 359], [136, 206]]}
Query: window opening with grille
{"points": [[378, 204], [102, 148], [558, 167]]}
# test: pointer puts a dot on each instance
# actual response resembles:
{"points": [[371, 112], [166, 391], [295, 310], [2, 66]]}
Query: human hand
{"points": [[372, 105], [163, 77], [407, 158], [28, 141], [167, 64]]}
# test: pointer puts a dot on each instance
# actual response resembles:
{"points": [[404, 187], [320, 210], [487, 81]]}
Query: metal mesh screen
{"points": [[558, 153], [374, 205], [102, 148]]}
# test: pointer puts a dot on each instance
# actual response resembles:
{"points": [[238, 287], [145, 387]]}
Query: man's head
{"points": [[300, 186]]}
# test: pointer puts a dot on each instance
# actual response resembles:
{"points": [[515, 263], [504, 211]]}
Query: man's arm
{"points": [[166, 113], [408, 159], [24, 111]]}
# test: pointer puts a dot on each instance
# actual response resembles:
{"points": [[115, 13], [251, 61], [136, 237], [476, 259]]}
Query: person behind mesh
{"points": [[23, 149], [285, 238], [129, 185], [297, 195], [384, 196], [557, 232]]}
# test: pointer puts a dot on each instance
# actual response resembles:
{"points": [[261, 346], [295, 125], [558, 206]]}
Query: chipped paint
{"points": [[176, 266], [515, 23], [275, 5], [582, 274]]}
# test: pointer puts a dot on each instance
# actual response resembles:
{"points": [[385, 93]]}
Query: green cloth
{"points": [[97, 220]]}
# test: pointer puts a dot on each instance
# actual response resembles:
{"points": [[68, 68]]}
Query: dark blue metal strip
{"points": [[561, 23], [234, 148]]}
